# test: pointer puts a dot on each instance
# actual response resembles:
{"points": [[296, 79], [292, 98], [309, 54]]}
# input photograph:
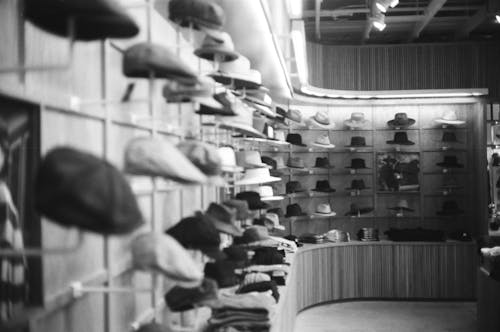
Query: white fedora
{"points": [[256, 176]]}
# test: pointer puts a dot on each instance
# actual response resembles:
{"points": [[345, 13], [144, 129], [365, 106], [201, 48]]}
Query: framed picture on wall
{"points": [[398, 171]]}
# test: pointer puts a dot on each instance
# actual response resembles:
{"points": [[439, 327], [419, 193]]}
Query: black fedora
{"points": [[269, 161], [401, 120], [400, 138], [449, 137], [449, 208], [222, 271], [294, 187], [357, 184], [355, 210], [357, 163], [253, 199], [450, 162], [323, 186], [357, 142], [294, 210], [295, 139], [322, 162]]}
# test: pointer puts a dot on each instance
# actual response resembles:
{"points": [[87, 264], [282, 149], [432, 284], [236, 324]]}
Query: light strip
{"points": [[295, 9], [299, 50]]}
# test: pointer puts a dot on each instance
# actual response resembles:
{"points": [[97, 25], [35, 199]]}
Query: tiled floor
{"points": [[388, 316]]}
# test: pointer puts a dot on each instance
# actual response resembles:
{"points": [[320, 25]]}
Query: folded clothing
{"points": [[268, 256], [262, 286], [268, 268], [181, 299], [254, 277]]}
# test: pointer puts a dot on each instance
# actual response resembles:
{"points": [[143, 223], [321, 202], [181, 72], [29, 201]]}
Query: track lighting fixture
{"points": [[383, 5]]}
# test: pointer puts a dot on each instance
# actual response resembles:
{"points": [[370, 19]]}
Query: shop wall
{"points": [[402, 67]]}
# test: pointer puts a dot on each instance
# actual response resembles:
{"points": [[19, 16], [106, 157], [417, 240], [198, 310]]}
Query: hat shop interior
{"points": [[249, 165]]}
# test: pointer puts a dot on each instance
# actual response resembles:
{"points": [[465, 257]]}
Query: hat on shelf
{"points": [[357, 163], [449, 117], [182, 299], [223, 218], [336, 235], [357, 142], [449, 137], [220, 49], [269, 162], [357, 184], [312, 238], [357, 121], [227, 101], [278, 211], [280, 162], [400, 138], [260, 99], [145, 60], [157, 157], [368, 234], [401, 120], [238, 74], [256, 176], [295, 162], [266, 194], [325, 210], [450, 162], [291, 114], [323, 141], [228, 160], [201, 92], [322, 162], [294, 187], [241, 207], [259, 123], [279, 135], [163, 254], [242, 122], [253, 199], [249, 159], [93, 20], [275, 220], [269, 132], [402, 205], [76, 188], [294, 210], [323, 186], [222, 272], [321, 119], [153, 327], [450, 182], [202, 15], [252, 235], [202, 155], [197, 232], [355, 210], [450, 208], [295, 139]]}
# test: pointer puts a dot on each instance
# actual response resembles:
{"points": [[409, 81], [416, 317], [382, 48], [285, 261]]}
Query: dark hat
{"points": [[357, 163], [278, 211], [357, 184], [253, 199], [295, 139], [312, 238], [96, 19], [295, 162], [291, 114], [252, 234], [401, 120], [357, 142], [294, 210], [222, 271], [202, 155], [144, 59], [262, 286], [199, 233], [226, 99], [241, 207], [402, 205], [322, 162], [268, 256], [75, 188], [450, 162], [449, 208], [236, 254], [294, 187], [356, 210], [153, 327], [323, 186], [182, 299], [449, 137], [223, 218], [269, 161], [201, 14], [400, 138], [220, 48]]}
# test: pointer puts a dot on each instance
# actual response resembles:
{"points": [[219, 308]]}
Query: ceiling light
{"points": [[378, 21], [299, 49], [383, 5], [497, 17], [295, 8]]}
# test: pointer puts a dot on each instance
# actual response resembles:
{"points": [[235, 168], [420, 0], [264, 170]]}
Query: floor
{"points": [[385, 316]]}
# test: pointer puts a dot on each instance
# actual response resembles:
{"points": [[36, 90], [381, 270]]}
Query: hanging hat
{"points": [[93, 20], [449, 137], [356, 210], [402, 205], [295, 139], [227, 103], [323, 186], [202, 155], [228, 160], [357, 142], [162, 253], [323, 162], [321, 119], [223, 218], [182, 299], [252, 235], [400, 138], [256, 176], [291, 114], [356, 121], [266, 194], [450, 162], [157, 157], [323, 141], [238, 73], [145, 59], [220, 49], [222, 272], [250, 159], [260, 99], [200, 14], [294, 210], [357, 184], [75, 188], [450, 117], [357, 163], [241, 207], [401, 120], [278, 211], [295, 162], [324, 210], [201, 92], [153, 327], [253, 199], [294, 187], [449, 208], [242, 122], [275, 220], [197, 232]]}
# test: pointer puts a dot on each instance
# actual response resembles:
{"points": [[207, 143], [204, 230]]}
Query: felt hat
{"points": [[157, 157], [202, 15], [153, 327], [238, 73], [321, 119], [356, 121], [357, 163], [202, 155], [226, 100], [400, 138], [163, 254], [200, 91], [75, 188], [197, 232], [294, 187], [222, 272], [295, 139], [182, 299], [266, 194], [242, 122], [295, 162], [450, 208], [357, 184], [92, 19], [269, 162], [223, 218], [256, 176], [322, 162], [252, 235], [220, 48], [250, 159], [228, 160], [241, 207], [324, 209], [144, 59], [323, 141], [402, 205], [450, 117], [401, 120], [450, 162], [275, 220], [324, 186], [449, 137], [357, 142], [294, 210], [292, 114], [355, 210], [253, 199]]}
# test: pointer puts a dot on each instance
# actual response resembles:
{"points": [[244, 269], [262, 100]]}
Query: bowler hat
{"points": [[357, 163], [401, 120], [223, 218], [449, 208], [322, 162], [222, 271], [294, 210], [355, 210], [450, 162], [253, 199], [182, 299], [200, 14], [221, 48], [294, 187], [295, 162], [323, 186], [75, 188], [357, 142], [295, 139], [400, 138], [357, 184]]}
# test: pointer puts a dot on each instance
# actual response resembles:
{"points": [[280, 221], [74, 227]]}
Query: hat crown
{"points": [[248, 158], [295, 115], [279, 135], [295, 162], [358, 141], [322, 117], [202, 155], [403, 203], [358, 184], [324, 208], [238, 66], [357, 116], [322, 184], [198, 12], [293, 186], [322, 162], [223, 41], [227, 156], [449, 115], [293, 210], [323, 139], [357, 163], [221, 213], [401, 116], [294, 138], [266, 191]]}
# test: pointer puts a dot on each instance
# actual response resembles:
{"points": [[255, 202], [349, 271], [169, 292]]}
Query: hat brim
{"points": [[398, 208], [400, 143], [393, 123], [273, 198], [450, 122], [450, 213], [330, 190], [445, 165], [238, 80], [329, 146], [296, 167], [303, 214], [247, 182], [361, 211], [212, 54], [314, 122], [225, 227], [358, 146], [256, 101], [242, 128], [266, 111], [355, 125], [331, 214]]}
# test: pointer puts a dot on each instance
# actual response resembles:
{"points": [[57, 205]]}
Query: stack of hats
{"points": [[368, 234], [312, 238]]}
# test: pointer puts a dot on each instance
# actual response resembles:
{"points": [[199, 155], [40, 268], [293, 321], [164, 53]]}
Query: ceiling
{"points": [[346, 22]]}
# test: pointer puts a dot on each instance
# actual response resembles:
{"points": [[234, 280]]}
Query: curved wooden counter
{"points": [[376, 270]]}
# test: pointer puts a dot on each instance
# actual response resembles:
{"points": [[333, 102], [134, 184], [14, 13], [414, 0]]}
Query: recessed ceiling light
{"points": [[497, 17]]}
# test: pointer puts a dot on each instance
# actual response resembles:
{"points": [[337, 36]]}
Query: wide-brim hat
{"points": [[324, 146], [358, 210], [225, 98], [357, 163], [400, 138], [200, 14], [295, 139], [402, 205], [241, 122], [449, 117], [228, 160], [356, 120], [357, 142], [216, 49], [323, 186], [330, 213], [294, 210], [450, 162], [315, 122], [401, 120], [253, 199], [267, 194]]}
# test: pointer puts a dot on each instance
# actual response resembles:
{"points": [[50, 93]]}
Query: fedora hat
{"points": [[294, 210], [238, 74], [228, 160], [323, 141], [75, 188], [357, 163], [336, 235], [250, 159], [356, 121], [357, 184], [201, 92], [253, 199], [355, 210], [275, 220], [182, 299], [144, 59], [401, 120], [241, 207], [449, 208], [357, 142], [219, 49], [252, 234], [322, 162], [449, 137], [93, 19], [227, 101], [295, 162], [200, 14], [295, 139], [402, 205], [450, 117], [292, 187], [450, 162], [400, 138], [323, 186], [294, 115], [223, 218], [242, 121], [321, 119], [266, 194], [324, 209], [157, 157], [269, 162], [202, 155]]}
